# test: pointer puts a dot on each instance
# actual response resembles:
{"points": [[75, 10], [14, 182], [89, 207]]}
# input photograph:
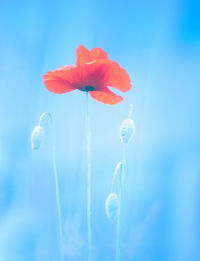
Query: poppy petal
{"points": [[64, 72], [83, 55], [98, 53], [56, 84], [106, 96], [104, 73], [97, 74], [115, 76]]}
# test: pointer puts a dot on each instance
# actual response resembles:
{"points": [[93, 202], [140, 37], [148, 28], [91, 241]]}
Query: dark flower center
{"points": [[89, 88]]}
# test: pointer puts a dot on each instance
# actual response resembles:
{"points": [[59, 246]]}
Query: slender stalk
{"points": [[117, 173], [118, 240], [88, 134], [124, 164], [131, 111], [56, 184], [130, 128]]}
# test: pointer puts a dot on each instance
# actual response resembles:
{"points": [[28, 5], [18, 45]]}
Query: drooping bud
{"points": [[37, 137], [127, 128], [112, 206]]}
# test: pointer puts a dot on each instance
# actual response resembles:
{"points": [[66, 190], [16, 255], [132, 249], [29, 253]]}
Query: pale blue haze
{"points": [[158, 43]]}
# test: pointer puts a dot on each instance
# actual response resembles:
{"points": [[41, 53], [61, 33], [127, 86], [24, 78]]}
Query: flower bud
{"points": [[112, 206], [37, 137], [127, 130]]}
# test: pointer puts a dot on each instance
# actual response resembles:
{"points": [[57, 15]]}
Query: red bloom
{"points": [[93, 72]]}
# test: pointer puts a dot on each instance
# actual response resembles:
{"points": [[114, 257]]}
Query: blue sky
{"points": [[158, 43]]}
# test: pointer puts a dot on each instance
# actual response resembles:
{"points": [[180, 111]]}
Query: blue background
{"points": [[158, 43]]}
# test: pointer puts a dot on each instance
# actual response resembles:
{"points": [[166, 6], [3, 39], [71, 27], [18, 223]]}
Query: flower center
{"points": [[89, 88]]}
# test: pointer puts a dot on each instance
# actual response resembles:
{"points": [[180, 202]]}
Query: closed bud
{"points": [[127, 130], [37, 137], [112, 206]]}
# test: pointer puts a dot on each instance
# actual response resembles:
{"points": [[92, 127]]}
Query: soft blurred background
{"points": [[158, 43]]}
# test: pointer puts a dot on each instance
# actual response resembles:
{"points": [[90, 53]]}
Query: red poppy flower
{"points": [[93, 72]]}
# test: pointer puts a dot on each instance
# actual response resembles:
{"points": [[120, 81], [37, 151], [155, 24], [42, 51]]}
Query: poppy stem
{"points": [[122, 173], [117, 173], [131, 111], [88, 147], [56, 183]]}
